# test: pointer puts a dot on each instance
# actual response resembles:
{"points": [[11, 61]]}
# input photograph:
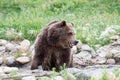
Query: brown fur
{"points": [[53, 46]]}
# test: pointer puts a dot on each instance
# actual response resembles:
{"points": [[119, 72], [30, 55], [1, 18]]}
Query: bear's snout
{"points": [[75, 42]]}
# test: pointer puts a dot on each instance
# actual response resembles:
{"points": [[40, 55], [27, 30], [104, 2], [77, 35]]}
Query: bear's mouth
{"points": [[70, 45]]}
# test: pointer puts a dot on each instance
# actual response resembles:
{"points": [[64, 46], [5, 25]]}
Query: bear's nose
{"points": [[75, 43]]}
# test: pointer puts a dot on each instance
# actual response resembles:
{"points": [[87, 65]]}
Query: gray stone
{"points": [[10, 47], [24, 45], [73, 70], [43, 78], [58, 78], [114, 51], [100, 60], [96, 73], [8, 69], [3, 42], [2, 49], [110, 61], [84, 55], [117, 57], [74, 50], [1, 60], [115, 38], [23, 60], [69, 76], [31, 48], [29, 78], [79, 44], [10, 61], [107, 32], [86, 48]]}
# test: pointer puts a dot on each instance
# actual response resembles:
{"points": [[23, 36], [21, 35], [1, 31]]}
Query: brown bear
{"points": [[53, 46]]}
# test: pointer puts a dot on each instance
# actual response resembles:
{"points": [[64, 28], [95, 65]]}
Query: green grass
{"points": [[94, 15]]}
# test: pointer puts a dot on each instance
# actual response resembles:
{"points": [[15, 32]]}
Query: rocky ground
{"points": [[15, 59]]}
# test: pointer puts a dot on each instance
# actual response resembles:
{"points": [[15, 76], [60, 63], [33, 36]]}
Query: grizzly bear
{"points": [[53, 46]]}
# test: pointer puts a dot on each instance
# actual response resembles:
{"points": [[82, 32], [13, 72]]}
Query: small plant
{"points": [[116, 72], [105, 76]]}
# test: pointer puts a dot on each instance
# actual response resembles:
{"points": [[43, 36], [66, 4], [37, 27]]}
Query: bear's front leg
{"points": [[35, 63]]}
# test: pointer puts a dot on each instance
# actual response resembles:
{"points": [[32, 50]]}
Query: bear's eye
{"points": [[70, 33]]}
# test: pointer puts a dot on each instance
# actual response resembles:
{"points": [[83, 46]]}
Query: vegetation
{"points": [[90, 17]]}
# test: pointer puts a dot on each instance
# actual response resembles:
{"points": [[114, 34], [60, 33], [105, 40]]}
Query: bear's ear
{"points": [[63, 23]]}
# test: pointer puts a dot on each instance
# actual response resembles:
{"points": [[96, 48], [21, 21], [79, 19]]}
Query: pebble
{"points": [[59, 78], [24, 45], [29, 78], [8, 69], [115, 38], [3, 42], [86, 48], [101, 60], [110, 61], [74, 50], [1, 60], [84, 55], [10, 47], [70, 76], [10, 61], [2, 49], [79, 44], [23, 60], [44, 78]]}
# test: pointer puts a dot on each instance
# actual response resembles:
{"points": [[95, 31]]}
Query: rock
{"points": [[111, 76], [31, 48], [23, 60], [10, 61], [3, 42], [1, 60], [93, 53], [102, 51], [69, 76], [100, 60], [73, 70], [86, 48], [77, 62], [58, 78], [84, 55], [79, 44], [24, 45], [110, 61], [115, 38], [114, 51], [74, 50], [107, 32], [29, 78], [10, 47], [8, 70], [109, 56], [116, 43], [44, 78], [117, 57], [2, 49], [18, 47]]}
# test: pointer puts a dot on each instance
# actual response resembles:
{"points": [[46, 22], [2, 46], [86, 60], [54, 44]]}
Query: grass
{"points": [[90, 17]]}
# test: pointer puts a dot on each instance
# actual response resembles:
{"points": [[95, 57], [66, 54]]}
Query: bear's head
{"points": [[61, 34]]}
